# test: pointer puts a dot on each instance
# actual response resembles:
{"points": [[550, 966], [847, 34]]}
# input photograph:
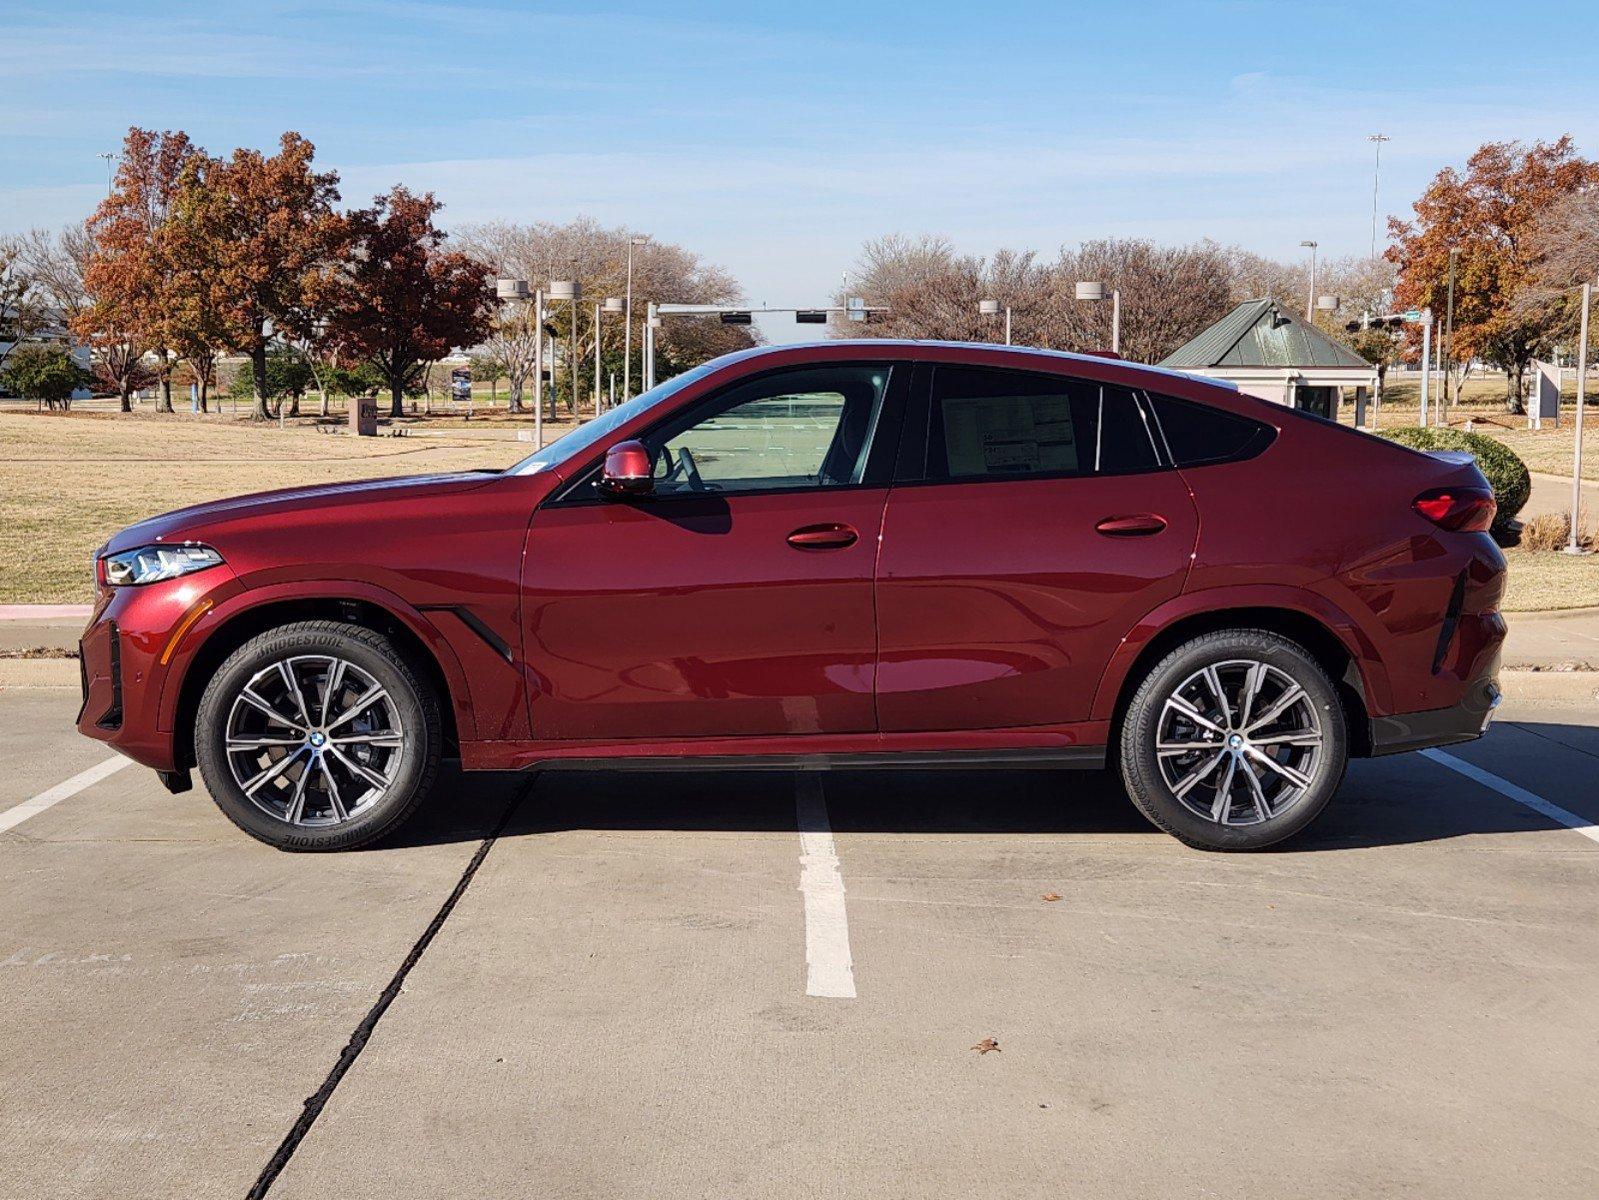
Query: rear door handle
{"points": [[833, 536], [1137, 525]]}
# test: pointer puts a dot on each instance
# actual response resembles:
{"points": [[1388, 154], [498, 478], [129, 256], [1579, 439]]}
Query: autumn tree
{"points": [[196, 307], [268, 225], [58, 264], [402, 301], [1488, 214], [126, 276]]}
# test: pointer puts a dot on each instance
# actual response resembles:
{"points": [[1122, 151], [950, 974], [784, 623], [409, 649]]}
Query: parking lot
{"points": [[598, 985]]}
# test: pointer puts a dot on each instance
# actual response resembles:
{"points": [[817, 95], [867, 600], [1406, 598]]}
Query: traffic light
{"points": [[811, 316], [735, 318]]}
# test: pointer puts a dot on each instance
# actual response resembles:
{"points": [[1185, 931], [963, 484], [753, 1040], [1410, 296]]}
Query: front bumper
{"points": [[128, 653]]}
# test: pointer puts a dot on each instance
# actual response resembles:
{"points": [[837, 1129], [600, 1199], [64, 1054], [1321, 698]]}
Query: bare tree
{"points": [[930, 290], [23, 312], [596, 257]]}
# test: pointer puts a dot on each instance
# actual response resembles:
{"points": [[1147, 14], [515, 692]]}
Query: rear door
{"points": [[1041, 523]]}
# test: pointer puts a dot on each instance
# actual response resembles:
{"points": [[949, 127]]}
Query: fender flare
{"points": [[1354, 639], [251, 598]]}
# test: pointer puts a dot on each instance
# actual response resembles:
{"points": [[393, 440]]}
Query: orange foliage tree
{"points": [[400, 300], [264, 228], [1488, 215], [131, 296]]}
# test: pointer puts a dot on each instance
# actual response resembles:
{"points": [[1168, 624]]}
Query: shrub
{"points": [[1501, 465], [45, 372], [1552, 531]]}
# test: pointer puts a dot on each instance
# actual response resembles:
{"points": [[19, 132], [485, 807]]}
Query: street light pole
{"points": [[109, 159], [538, 368], [1576, 451], [596, 359], [1310, 300], [1379, 139], [1094, 290], [627, 318]]}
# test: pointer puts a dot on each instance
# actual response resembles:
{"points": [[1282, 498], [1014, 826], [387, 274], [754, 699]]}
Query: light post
{"points": [[1572, 546], [1426, 361], [1310, 297], [109, 159], [627, 334], [990, 308], [652, 323], [515, 291], [1376, 172], [613, 306], [571, 290], [1094, 290]]}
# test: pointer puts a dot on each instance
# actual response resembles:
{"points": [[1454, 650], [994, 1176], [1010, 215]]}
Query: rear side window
{"points": [[988, 424], [1198, 434]]}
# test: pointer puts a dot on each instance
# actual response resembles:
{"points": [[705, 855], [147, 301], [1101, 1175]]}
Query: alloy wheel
{"points": [[1239, 742], [314, 740]]}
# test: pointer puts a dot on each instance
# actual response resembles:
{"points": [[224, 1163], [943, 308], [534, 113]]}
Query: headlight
{"points": [[151, 564]]}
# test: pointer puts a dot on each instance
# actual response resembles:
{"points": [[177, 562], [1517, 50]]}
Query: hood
{"points": [[190, 523]]}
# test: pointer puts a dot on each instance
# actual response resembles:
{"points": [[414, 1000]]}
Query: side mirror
{"points": [[627, 470]]}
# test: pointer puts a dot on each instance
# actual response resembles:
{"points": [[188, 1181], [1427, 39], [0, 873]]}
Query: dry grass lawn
{"points": [[71, 480], [68, 481]]}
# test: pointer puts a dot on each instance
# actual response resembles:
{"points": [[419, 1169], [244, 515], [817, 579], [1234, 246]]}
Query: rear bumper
{"points": [[1462, 722]]}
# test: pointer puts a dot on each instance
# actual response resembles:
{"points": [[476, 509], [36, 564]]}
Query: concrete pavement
{"points": [[1402, 1001]]}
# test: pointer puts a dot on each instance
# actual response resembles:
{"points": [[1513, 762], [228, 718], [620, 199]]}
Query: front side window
{"points": [[989, 424], [796, 429]]}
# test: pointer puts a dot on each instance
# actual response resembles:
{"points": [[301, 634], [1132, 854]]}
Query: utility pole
{"points": [[1449, 342], [1379, 139], [109, 159]]}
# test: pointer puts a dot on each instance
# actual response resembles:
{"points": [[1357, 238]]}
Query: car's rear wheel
{"points": [[1235, 740], [318, 736]]}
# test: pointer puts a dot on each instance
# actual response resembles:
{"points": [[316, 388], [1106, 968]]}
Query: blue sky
{"points": [[776, 137]]}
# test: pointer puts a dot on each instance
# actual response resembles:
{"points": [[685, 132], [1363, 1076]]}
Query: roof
{"points": [[907, 348], [1259, 333]]}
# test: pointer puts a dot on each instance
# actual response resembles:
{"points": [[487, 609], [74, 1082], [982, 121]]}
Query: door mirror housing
{"points": [[627, 470]]}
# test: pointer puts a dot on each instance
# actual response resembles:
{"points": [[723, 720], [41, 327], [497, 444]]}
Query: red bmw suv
{"points": [[842, 554]]}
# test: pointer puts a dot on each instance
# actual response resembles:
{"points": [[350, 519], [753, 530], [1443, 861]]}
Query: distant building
{"points": [[1269, 352]]}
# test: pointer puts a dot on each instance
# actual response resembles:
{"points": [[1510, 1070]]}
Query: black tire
{"points": [[1251, 817], [403, 755]]}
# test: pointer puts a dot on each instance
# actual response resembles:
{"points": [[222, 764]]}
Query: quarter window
{"points": [[1197, 434], [1013, 424]]}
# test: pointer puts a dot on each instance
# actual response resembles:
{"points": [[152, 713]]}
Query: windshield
{"points": [[576, 441]]}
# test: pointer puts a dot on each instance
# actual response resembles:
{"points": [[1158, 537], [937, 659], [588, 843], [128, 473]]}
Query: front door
{"points": [[1044, 528], [737, 599]]}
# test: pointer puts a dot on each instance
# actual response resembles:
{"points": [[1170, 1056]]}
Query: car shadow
{"points": [[1389, 801]]}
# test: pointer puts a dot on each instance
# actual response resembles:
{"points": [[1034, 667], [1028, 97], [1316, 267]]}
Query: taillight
{"points": [[1462, 509]]}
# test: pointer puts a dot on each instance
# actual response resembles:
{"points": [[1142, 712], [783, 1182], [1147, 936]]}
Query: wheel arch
{"points": [[237, 624], [1336, 645]]}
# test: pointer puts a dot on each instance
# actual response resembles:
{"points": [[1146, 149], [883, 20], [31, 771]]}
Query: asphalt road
{"points": [[617, 1000]]}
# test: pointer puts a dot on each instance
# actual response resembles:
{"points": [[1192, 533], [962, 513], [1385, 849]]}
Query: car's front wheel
{"points": [[1233, 741], [318, 736]]}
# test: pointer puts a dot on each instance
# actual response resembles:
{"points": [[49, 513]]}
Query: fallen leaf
{"points": [[1052, 896], [984, 1046]]}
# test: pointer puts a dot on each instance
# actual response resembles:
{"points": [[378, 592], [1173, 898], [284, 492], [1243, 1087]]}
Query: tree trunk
{"points": [[322, 396], [258, 376], [204, 391], [167, 366], [396, 398], [1513, 400], [126, 395]]}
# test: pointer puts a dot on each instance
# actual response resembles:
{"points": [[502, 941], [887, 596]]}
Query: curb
{"points": [[45, 612]]}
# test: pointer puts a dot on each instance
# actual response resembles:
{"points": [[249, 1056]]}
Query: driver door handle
{"points": [[1137, 525], [833, 536]]}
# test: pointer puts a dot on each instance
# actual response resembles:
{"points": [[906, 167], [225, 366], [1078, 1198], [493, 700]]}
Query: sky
{"points": [[775, 138]]}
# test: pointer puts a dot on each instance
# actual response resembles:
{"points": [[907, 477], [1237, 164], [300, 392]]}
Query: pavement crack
{"points": [[317, 1101]]}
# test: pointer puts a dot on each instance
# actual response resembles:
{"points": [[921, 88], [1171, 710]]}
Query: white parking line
{"points": [[1517, 793], [13, 817], [829, 970]]}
